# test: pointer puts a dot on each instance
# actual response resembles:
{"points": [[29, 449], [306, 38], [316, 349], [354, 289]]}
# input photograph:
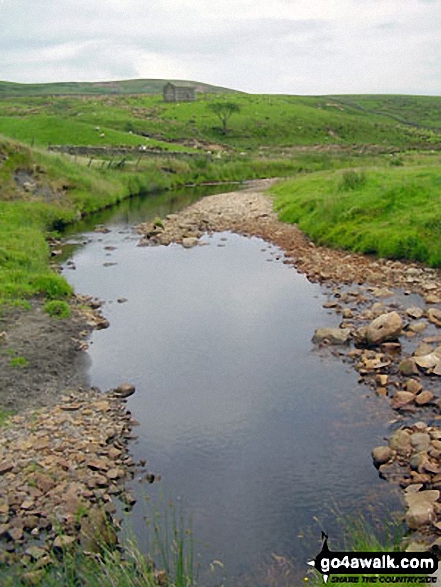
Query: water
{"points": [[255, 431]]}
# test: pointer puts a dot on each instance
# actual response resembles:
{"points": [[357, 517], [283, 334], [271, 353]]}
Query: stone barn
{"points": [[178, 93]]}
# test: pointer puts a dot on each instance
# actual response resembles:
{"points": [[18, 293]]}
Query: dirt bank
{"points": [[39, 356]]}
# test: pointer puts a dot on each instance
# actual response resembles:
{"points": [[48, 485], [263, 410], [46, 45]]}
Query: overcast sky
{"points": [[262, 46]]}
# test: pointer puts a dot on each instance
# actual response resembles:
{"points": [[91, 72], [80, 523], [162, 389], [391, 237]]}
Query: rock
{"points": [[419, 515], [125, 390], [381, 455], [417, 327], [6, 467], [402, 398], [122, 300], [98, 464], [332, 335], [413, 386], [420, 441], [415, 312], [63, 541], [422, 349], [35, 552], [43, 482], [424, 398], [408, 367], [417, 461], [427, 496], [432, 299], [385, 327], [400, 442], [427, 361], [434, 316], [189, 242]]}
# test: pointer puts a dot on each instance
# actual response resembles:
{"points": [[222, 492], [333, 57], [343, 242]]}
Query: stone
{"points": [[381, 455], [434, 316], [422, 349], [400, 442], [332, 335], [63, 541], [417, 327], [35, 552], [408, 367], [427, 496], [6, 467], [413, 386], [189, 242], [419, 515], [385, 327], [402, 398], [427, 361], [420, 441], [415, 312], [432, 299], [424, 398], [125, 390]]}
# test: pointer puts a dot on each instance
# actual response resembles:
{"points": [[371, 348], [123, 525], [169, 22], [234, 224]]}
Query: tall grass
{"points": [[169, 564], [394, 213]]}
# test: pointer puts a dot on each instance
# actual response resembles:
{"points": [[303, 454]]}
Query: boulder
{"points": [[385, 327], [381, 455], [332, 335]]}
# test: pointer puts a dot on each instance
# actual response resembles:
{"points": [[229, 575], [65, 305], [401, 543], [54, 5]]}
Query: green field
{"points": [[393, 213], [265, 123]]}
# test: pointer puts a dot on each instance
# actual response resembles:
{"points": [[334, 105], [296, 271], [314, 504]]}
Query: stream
{"points": [[260, 438]]}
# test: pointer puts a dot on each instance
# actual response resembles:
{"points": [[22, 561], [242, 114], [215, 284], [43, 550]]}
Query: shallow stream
{"points": [[261, 437]]}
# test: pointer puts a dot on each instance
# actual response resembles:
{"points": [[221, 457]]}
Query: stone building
{"points": [[178, 93]]}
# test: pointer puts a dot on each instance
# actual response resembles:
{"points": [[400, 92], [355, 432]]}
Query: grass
{"points": [[393, 213], [123, 565], [57, 309], [359, 535], [19, 362], [264, 121]]}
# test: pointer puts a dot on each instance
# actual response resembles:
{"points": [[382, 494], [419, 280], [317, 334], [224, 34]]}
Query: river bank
{"points": [[401, 361], [359, 289]]}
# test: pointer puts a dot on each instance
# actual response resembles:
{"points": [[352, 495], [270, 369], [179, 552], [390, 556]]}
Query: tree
{"points": [[224, 110]]}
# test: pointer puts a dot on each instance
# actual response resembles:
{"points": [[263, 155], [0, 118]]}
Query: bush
{"points": [[57, 309], [352, 180]]}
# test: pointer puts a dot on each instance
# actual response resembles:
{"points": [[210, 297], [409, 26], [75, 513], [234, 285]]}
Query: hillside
{"points": [[269, 124], [134, 86]]}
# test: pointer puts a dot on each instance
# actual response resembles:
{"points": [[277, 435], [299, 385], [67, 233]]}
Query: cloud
{"points": [[295, 46]]}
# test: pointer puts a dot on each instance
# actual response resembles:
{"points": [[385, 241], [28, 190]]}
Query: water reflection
{"points": [[254, 431]]}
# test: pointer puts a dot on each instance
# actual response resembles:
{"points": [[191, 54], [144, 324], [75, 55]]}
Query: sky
{"points": [[307, 47]]}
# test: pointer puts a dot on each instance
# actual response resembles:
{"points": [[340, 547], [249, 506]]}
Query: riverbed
{"points": [[262, 438]]}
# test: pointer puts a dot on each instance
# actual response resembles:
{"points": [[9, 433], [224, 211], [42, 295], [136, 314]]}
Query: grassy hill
{"points": [[133, 86], [265, 123]]}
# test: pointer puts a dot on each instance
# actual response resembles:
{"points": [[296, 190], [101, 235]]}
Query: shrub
{"points": [[57, 309], [352, 180]]}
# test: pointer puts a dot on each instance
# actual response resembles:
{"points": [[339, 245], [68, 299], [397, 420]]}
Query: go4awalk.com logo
{"points": [[391, 567]]}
